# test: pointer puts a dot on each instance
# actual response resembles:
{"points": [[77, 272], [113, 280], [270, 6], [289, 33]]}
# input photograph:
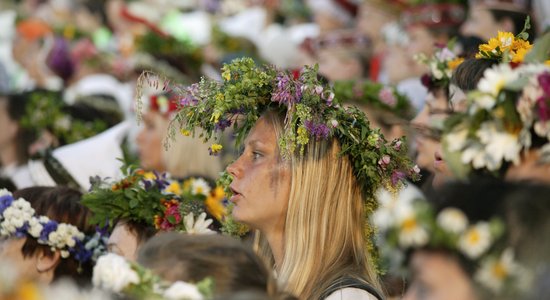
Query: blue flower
{"points": [[22, 231], [5, 202], [47, 228]]}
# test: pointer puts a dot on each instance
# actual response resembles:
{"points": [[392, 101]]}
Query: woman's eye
{"points": [[256, 155]]}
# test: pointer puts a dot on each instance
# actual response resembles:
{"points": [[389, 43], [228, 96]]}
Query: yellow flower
{"points": [[185, 132], [149, 176], [453, 64], [216, 116], [226, 75], [174, 188], [547, 62], [520, 55], [216, 148], [214, 203], [490, 46], [505, 39], [521, 44]]}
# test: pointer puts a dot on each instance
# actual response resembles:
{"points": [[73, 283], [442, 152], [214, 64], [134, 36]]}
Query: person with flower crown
{"points": [[502, 133], [306, 178], [174, 156], [144, 203], [463, 243], [46, 235]]}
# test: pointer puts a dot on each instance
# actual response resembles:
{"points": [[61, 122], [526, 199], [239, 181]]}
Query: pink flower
{"points": [[384, 161], [387, 97]]}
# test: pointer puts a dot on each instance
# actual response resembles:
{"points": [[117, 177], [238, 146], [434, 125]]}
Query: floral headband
{"points": [[408, 224], [45, 110], [506, 47], [312, 112], [376, 95], [507, 112], [441, 64], [153, 199], [116, 274], [18, 219]]}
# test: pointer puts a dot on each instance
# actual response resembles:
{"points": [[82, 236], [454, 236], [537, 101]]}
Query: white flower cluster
{"points": [[199, 186], [500, 136], [406, 224], [19, 218], [115, 274]]}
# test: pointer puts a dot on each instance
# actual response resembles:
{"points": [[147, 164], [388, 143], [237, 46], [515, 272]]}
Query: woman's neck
{"points": [[275, 240]]}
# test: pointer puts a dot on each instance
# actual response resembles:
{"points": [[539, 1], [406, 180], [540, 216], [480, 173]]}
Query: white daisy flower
{"points": [[411, 233], [494, 271], [180, 290], [200, 226], [114, 273], [452, 219], [494, 79], [476, 240], [475, 155], [456, 140], [200, 186], [499, 145]]}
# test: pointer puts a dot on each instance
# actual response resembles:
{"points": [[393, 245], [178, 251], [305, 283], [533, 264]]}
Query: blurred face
{"points": [[428, 144], [438, 276], [531, 168], [261, 180], [337, 63], [9, 127], [481, 24], [10, 252], [371, 19], [149, 141], [123, 242]]}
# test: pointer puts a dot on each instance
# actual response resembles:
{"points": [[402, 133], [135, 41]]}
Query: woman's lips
{"points": [[438, 160], [236, 195]]}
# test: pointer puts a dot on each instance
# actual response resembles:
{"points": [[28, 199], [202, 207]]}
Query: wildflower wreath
{"points": [[441, 64], [18, 219], [153, 199], [412, 224], [506, 47], [312, 112]]}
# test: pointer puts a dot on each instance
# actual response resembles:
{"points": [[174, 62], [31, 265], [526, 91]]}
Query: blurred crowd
{"points": [[95, 156]]}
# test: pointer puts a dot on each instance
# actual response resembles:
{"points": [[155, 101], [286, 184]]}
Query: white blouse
{"points": [[351, 293]]}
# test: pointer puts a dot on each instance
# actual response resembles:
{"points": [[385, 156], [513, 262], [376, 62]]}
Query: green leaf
{"points": [[171, 219]]}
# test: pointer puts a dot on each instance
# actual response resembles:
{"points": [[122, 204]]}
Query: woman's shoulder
{"points": [[351, 293]]}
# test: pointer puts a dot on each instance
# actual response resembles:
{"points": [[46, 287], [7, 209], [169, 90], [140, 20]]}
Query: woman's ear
{"points": [[46, 263]]}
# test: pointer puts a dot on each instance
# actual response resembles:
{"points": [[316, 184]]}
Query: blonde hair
{"points": [[325, 228]]}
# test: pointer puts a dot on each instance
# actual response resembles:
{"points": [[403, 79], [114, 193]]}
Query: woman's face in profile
{"points": [[261, 180], [438, 276]]}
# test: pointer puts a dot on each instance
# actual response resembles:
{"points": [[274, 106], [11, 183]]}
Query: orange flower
{"points": [[453, 64]]}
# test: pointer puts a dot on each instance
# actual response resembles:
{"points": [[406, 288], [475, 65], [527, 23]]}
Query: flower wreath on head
{"points": [[46, 111], [115, 274], [376, 95], [408, 224], [153, 199], [312, 112], [508, 113], [442, 65], [18, 219]]}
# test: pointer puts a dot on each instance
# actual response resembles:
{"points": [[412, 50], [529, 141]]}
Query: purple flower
{"points": [[22, 231], [426, 81], [544, 82], [222, 124], [191, 98], [318, 130], [160, 180], [284, 93], [5, 202], [79, 251], [396, 177], [59, 59], [543, 109], [47, 228]]}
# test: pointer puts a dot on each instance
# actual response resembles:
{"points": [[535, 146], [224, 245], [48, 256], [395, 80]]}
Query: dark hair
{"points": [[192, 258], [16, 108], [469, 72], [517, 18], [141, 230], [61, 204]]}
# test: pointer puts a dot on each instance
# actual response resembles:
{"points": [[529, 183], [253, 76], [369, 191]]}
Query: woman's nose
{"points": [[234, 168]]}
